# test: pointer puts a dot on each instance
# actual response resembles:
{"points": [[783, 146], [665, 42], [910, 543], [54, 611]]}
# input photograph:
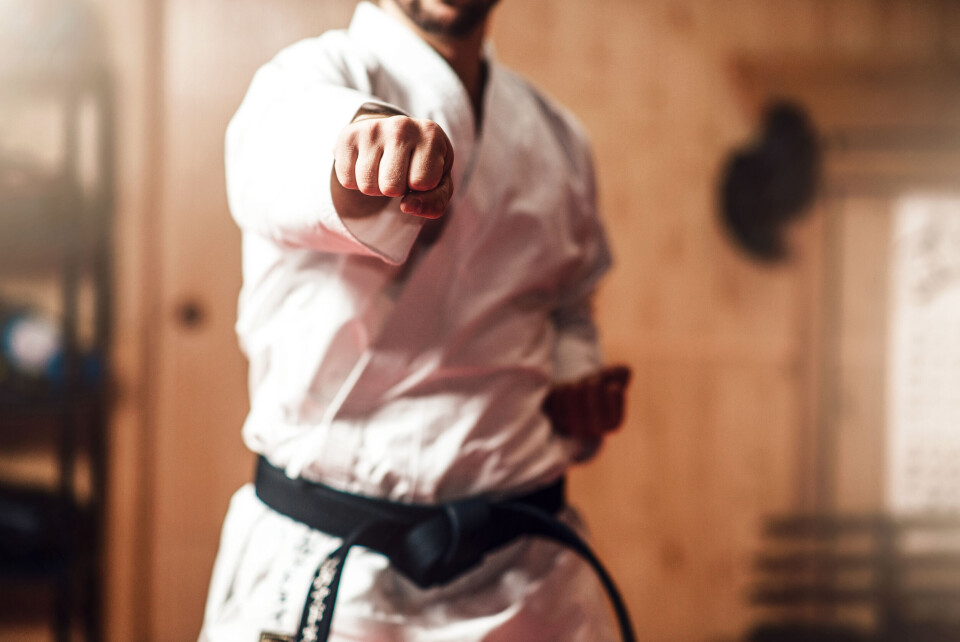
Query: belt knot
{"points": [[439, 549]]}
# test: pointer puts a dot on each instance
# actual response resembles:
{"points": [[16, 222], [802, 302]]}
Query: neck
{"points": [[464, 54]]}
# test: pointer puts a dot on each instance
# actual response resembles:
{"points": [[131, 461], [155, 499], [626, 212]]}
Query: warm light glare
{"points": [[924, 356]]}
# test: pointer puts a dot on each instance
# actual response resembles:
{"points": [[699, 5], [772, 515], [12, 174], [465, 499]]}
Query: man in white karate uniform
{"points": [[420, 247]]}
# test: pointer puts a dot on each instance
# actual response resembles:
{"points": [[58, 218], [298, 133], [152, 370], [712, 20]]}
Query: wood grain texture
{"points": [[859, 362], [723, 404], [211, 50], [710, 446]]}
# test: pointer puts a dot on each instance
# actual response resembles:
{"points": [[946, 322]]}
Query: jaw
{"points": [[446, 18]]}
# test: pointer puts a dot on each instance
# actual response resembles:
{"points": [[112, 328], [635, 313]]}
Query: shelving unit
{"points": [[55, 222]]}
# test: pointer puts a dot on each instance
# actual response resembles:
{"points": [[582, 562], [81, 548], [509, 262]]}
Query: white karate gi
{"points": [[384, 367]]}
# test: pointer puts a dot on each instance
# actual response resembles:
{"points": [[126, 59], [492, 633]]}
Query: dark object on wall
{"points": [[771, 182]]}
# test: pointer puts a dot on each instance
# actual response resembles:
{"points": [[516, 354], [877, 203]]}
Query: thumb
{"points": [[430, 204]]}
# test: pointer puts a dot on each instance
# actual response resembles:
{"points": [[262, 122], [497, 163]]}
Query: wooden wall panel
{"points": [[858, 412], [711, 444], [724, 409], [211, 49], [134, 36], [720, 411]]}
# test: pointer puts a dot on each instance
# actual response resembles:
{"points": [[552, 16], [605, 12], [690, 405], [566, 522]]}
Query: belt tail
{"points": [[539, 523], [317, 615]]}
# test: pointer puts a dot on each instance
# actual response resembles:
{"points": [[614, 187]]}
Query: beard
{"points": [[470, 16]]}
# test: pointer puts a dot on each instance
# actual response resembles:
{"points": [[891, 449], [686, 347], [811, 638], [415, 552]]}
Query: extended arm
{"points": [[282, 178]]}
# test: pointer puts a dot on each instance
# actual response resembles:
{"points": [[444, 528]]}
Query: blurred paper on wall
{"points": [[924, 356]]}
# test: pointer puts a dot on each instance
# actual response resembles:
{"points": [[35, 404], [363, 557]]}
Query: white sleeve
{"points": [[279, 160], [577, 350]]}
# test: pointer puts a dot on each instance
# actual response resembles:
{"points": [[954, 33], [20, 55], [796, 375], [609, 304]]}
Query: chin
{"points": [[452, 18]]}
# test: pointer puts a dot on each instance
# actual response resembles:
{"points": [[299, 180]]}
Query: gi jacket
{"points": [[385, 365]]}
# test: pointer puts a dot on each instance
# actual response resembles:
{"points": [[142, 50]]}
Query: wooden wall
{"points": [[723, 402], [724, 405]]}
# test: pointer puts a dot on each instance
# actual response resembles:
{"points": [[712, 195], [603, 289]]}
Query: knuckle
{"points": [[404, 124], [435, 154], [447, 187], [392, 186], [344, 162], [422, 183], [370, 131], [346, 179], [392, 191], [427, 176], [345, 151], [430, 130], [350, 131], [367, 183], [431, 136], [398, 129], [433, 142]]}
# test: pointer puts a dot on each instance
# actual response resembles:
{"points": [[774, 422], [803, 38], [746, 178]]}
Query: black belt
{"points": [[430, 544]]}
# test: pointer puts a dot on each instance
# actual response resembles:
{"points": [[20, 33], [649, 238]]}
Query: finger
{"points": [[368, 166], [593, 409], [568, 412], [558, 412], [588, 450], [549, 406], [577, 408], [394, 166], [345, 162], [589, 410], [432, 159], [613, 405], [447, 156], [616, 380], [435, 202], [618, 373], [430, 204]]}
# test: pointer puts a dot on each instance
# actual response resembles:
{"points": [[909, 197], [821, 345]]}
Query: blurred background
{"points": [[781, 184]]}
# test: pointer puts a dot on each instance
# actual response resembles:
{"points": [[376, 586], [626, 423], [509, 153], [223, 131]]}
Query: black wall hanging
{"points": [[771, 182]]}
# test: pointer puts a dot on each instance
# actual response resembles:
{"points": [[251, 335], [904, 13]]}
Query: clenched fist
{"points": [[381, 155], [589, 408]]}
